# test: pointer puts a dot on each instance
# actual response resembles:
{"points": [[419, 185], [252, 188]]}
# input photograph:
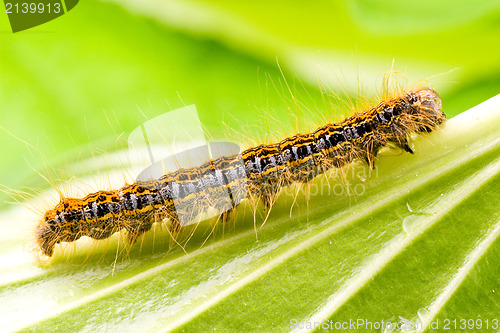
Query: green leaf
{"points": [[419, 242], [417, 238]]}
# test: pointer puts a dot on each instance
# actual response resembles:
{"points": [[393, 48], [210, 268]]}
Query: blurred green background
{"points": [[80, 80]]}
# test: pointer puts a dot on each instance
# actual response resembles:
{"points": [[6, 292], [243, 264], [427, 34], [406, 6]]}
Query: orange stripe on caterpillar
{"points": [[265, 170]]}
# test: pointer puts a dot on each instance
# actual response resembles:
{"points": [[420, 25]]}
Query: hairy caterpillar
{"points": [[264, 170]]}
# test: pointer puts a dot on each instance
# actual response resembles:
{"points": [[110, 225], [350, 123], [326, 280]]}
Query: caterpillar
{"points": [[258, 172]]}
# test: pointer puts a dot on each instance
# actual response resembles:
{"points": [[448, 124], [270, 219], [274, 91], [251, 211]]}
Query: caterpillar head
{"points": [[428, 109]]}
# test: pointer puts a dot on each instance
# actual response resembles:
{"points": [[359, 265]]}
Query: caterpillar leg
{"points": [[407, 148], [400, 138], [266, 200], [371, 153], [268, 197], [174, 225], [403, 144], [370, 161], [137, 228], [225, 216]]}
